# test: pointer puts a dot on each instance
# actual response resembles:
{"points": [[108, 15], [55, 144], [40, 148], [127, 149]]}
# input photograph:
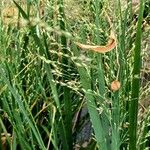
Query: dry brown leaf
{"points": [[101, 49], [112, 43]]}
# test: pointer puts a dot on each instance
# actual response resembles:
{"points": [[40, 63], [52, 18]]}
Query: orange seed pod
{"points": [[115, 85]]}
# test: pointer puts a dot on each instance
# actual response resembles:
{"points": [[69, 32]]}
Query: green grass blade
{"points": [[17, 99], [25, 16], [67, 97], [135, 83], [91, 105]]}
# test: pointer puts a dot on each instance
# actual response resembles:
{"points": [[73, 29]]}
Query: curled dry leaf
{"points": [[101, 49], [115, 85]]}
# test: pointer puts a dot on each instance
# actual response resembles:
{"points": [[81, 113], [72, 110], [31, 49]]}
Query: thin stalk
{"points": [[135, 82], [24, 62], [123, 73], [100, 72], [66, 90], [120, 76], [91, 105], [94, 115]]}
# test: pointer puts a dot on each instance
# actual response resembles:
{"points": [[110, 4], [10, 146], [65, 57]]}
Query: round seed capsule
{"points": [[115, 85]]}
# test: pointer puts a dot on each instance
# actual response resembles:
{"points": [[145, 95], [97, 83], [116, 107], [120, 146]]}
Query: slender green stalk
{"points": [[100, 73], [94, 115], [119, 76], [99, 131], [66, 90], [135, 82]]}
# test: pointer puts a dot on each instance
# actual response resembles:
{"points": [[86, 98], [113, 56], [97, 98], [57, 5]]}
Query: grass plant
{"points": [[50, 87]]}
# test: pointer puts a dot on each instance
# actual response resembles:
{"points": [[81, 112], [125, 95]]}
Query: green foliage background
{"points": [[46, 81]]}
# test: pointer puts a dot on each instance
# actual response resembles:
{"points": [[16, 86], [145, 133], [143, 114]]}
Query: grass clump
{"points": [[57, 91]]}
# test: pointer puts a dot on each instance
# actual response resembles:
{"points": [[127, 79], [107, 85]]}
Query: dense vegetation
{"points": [[55, 94]]}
